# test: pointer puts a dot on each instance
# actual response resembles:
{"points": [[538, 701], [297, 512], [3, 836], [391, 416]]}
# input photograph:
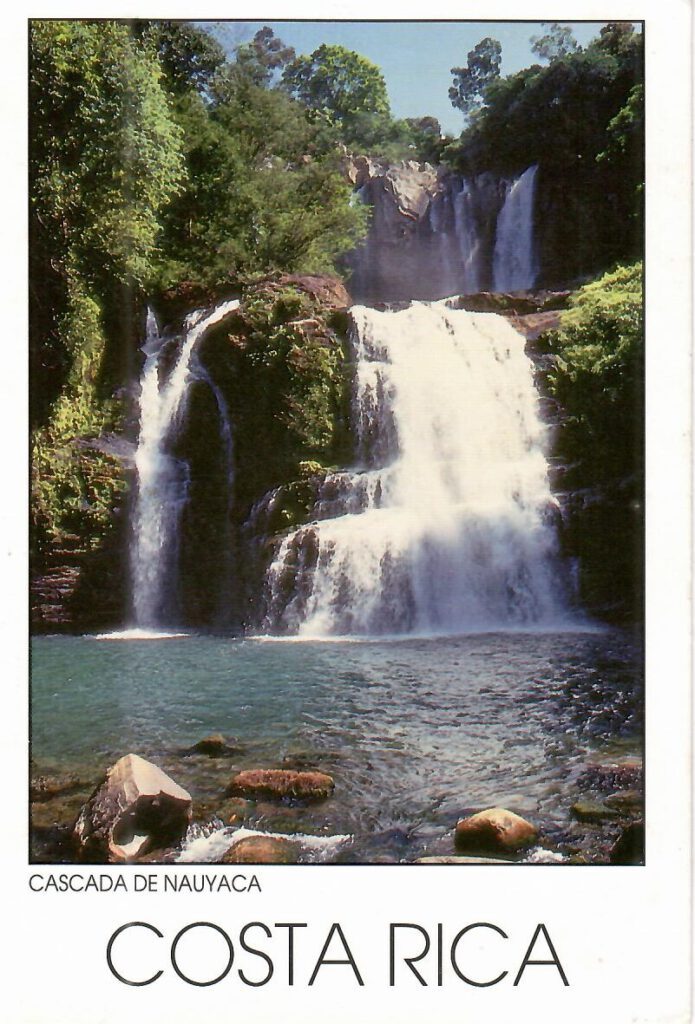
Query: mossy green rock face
{"points": [[281, 363], [79, 481]]}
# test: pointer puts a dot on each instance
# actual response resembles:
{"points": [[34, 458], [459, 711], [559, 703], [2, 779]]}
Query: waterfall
{"points": [[162, 478], [434, 236], [468, 239], [514, 267], [446, 523]]}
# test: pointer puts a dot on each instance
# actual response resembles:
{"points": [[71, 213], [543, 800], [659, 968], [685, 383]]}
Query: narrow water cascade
{"points": [[162, 477], [468, 238], [446, 525], [514, 261], [432, 236]]}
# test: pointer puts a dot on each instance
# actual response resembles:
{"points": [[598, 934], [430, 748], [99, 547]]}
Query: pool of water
{"points": [[415, 732]]}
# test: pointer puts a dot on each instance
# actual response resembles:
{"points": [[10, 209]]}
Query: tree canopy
{"points": [[557, 42], [471, 82], [341, 87]]}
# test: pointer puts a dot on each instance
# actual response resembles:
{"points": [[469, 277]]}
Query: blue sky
{"points": [[415, 58]]}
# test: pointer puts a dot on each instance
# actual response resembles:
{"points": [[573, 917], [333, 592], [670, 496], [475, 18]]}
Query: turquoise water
{"points": [[414, 731]]}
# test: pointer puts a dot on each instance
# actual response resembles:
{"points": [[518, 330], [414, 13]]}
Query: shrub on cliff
{"points": [[598, 376]]}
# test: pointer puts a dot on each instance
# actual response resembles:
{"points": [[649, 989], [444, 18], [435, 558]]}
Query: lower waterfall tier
{"points": [[447, 523]]}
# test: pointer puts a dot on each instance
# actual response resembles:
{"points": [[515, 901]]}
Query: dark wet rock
{"points": [[629, 847], [595, 813], [47, 787], [262, 850], [136, 809], [166, 855], [214, 745], [495, 830], [628, 801], [277, 784], [51, 844], [514, 304]]}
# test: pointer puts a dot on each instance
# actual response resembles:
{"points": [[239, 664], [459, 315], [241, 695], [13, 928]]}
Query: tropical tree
{"points": [[341, 88], [189, 56], [558, 42], [105, 153], [105, 159], [264, 57], [471, 82]]}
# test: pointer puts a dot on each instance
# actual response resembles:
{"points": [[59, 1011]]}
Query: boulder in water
{"points": [[214, 745], [495, 830], [137, 808], [278, 784], [625, 802], [262, 850]]}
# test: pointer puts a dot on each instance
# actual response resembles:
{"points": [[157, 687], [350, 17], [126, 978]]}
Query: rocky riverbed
{"points": [[276, 815]]}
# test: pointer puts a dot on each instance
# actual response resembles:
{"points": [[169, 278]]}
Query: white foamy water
{"points": [[207, 849], [446, 525], [162, 479], [514, 263], [139, 634]]}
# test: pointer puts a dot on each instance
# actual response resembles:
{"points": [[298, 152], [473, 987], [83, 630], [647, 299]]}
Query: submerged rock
{"points": [[278, 784], [136, 809], [262, 850], [214, 745], [47, 787], [594, 813], [496, 830], [462, 860], [235, 810]]}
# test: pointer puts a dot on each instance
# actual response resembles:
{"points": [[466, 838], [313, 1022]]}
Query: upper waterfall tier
{"points": [[434, 233], [446, 524]]}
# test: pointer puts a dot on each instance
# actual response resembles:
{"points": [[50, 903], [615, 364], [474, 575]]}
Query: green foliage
{"points": [[598, 376], [341, 88], [291, 351], [472, 81], [558, 42], [75, 487], [289, 387], [188, 55], [263, 194], [105, 154]]}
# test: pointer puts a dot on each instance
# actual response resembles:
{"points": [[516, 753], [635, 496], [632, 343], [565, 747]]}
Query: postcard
{"points": [[347, 608]]}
